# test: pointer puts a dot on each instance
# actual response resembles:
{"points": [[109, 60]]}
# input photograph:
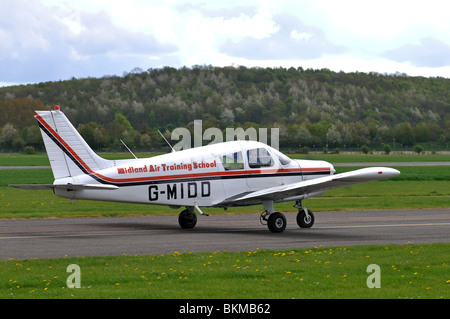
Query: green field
{"points": [[406, 271]]}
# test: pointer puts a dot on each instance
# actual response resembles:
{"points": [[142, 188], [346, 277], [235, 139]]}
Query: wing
{"points": [[304, 188], [68, 187]]}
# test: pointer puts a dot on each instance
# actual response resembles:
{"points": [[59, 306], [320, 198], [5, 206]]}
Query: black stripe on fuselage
{"points": [[226, 177]]}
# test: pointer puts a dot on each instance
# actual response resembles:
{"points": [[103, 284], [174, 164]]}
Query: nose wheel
{"points": [[305, 218]]}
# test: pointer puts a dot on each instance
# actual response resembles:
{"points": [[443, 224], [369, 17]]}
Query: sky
{"points": [[52, 40]]}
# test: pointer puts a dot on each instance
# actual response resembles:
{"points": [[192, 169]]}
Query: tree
{"points": [[418, 149], [32, 136], [333, 136], [8, 134], [303, 135], [319, 131], [87, 132], [100, 136], [360, 134], [227, 116], [404, 133], [365, 149], [120, 125]]}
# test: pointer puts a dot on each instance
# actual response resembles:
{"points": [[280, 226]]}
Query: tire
{"points": [[276, 222], [187, 219], [304, 221]]}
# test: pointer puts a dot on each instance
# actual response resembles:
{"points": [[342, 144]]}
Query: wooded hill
{"points": [[310, 107]]}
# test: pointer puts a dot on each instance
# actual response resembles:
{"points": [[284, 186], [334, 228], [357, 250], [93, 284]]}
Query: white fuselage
{"points": [[204, 176]]}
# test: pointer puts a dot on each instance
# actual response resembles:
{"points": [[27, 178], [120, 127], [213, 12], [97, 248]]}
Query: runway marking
{"points": [[53, 236], [87, 235], [387, 225], [156, 232]]}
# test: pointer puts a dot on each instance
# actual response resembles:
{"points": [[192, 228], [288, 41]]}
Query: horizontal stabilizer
{"points": [[68, 187]]}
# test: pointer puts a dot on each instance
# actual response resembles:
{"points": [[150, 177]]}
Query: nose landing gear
{"points": [[305, 217]]}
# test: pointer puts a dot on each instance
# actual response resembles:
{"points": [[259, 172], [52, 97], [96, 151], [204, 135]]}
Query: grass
{"points": [[406, 271], [14, 159]]}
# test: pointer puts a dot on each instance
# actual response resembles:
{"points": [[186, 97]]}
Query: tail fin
{"points": [[67, 151]]}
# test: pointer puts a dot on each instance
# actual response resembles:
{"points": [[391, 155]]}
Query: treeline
{"points": [[312, 108]]}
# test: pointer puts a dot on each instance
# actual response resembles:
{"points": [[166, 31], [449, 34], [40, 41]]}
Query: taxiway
{"points": [[72, 237]]}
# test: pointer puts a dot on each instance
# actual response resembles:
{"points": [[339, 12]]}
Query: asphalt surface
{"points": [[59, 237]]}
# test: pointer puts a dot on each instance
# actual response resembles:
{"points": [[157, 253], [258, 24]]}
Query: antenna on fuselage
{"points": [[128, 149], [173, 151]]}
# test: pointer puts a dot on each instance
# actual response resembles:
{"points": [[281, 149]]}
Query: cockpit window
{"points": [[232, 161], [259, 157]]}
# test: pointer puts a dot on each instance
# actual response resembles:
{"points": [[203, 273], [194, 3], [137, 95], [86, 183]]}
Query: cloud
{"points": [[101, 37], [293, 40], [428, 53], [213, 9], [47, 40], [40, 43], [300, 35]]}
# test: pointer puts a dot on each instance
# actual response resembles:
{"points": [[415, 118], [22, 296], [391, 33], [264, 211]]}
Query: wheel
{"points": [[303, 220], [187, 219], [276, 222]]}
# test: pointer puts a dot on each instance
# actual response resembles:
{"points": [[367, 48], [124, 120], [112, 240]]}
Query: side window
{"points": [[259, 157], [232, 161]]}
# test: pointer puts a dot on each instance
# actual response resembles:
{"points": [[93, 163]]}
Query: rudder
{"points": [[68, 153]]}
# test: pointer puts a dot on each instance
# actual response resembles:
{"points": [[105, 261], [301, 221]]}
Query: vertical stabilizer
{"points": [[67, 151]]}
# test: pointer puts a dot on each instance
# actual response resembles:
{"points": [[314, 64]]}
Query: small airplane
{"points": [[236, 173]]}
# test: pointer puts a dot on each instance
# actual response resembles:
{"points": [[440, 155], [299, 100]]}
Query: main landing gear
{"points": [[187, 218], [276, 222]]}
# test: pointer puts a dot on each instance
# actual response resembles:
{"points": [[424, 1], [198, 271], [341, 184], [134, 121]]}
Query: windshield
{"points": [[284, 160]]}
